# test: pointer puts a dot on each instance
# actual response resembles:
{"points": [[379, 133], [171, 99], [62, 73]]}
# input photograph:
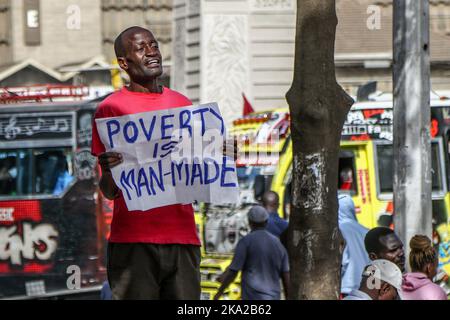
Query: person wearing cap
{"points": [[262, 259], [275, 224], [381, 280]]}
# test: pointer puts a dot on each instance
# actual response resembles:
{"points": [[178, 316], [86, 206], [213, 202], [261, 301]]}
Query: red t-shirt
{"points": [[164, 225]]}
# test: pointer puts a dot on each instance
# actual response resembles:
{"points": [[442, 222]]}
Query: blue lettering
{"points": [[168, 147], [148, 133], [125, 182], [112, 132], [226, 169], [155, 150], [202, 111], [184, 124], [179, 168], [222, 130], [186, 168], [154, 177], [165, 126], [207, 179], [142, 181], [172, 168], [196, 173], [133, 138]]}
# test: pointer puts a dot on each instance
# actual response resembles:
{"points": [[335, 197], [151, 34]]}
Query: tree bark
{"points": [[318, 107]]}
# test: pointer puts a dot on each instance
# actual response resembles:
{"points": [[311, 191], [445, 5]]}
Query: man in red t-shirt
{"points": [[153, 254]]}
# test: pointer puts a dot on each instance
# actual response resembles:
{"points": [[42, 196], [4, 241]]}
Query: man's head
{"points": [[381, 280], [257, 217], [383, 243], [138, 54], [271, 201]]}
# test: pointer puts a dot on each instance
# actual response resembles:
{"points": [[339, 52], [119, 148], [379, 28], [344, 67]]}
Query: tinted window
{"points": [[385, 158], [46, 171]]}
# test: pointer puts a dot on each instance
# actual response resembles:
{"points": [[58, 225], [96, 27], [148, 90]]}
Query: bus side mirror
{"points": [[259, 186]]}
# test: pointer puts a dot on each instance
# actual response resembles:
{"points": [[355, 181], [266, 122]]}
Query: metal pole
{"points": [[412, 156]]}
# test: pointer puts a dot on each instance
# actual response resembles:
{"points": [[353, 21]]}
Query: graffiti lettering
{"points": [[35, 243], [6, 214], [375, 124]]}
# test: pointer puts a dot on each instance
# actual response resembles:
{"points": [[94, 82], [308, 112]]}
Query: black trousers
{"points": [[145, 271]]}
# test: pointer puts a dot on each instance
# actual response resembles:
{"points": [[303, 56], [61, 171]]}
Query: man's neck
{"points": [[258, 228], [150, 87]]}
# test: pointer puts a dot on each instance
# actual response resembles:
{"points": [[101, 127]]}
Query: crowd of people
{"points": [[374, 262]]}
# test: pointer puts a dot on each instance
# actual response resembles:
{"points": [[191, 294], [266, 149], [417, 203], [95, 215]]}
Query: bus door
{"points": [[354, 177]]}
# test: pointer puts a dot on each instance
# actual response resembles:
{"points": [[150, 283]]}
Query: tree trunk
{"points": [[318, 107]]}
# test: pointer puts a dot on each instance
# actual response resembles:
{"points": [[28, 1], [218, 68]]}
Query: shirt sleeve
{"points": [[240, 255], [97, 146]]}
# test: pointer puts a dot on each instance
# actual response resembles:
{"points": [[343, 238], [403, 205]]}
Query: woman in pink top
{"points": [[423, 259]]}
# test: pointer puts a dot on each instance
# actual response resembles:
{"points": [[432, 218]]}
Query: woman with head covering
{"points": [[355, 257]]}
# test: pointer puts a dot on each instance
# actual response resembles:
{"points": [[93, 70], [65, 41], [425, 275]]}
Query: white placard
{"points": [[171, 156]]}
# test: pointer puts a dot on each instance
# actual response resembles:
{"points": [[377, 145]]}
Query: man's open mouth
{"points": [[152, 63]]}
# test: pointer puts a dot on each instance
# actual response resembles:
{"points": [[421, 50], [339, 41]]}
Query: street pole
{"points": [[412, 142]]}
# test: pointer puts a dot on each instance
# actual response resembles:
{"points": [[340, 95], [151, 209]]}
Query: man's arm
{"points": [[227, 278], [107, 161], [285, 279]]}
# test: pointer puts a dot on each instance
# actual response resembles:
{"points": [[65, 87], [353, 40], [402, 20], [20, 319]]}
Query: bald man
{"points": [[275, 224], [153, 254]]}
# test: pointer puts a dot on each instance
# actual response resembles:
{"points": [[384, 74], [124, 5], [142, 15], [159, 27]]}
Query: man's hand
{"points": [[108, 160], [226, 279], [230, 148]]}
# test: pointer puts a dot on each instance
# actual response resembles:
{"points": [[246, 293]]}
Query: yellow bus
{"points": [[365, 171]]}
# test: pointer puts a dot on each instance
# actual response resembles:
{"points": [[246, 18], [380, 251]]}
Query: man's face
{"points": [[393, 250], [143, 61], [387, 292]]}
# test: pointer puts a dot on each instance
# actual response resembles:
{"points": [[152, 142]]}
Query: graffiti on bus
{"points": [[27, 242]]}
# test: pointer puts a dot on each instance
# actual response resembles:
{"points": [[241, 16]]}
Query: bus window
{"points": [[385, 167], [8, 173], [346, 182], [46, 171]]}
